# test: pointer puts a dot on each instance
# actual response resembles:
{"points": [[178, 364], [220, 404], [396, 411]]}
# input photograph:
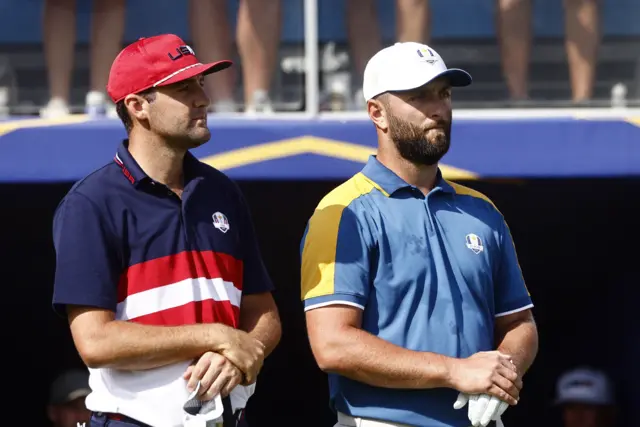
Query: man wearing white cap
{"points": [[586, 397], [415, 302]]}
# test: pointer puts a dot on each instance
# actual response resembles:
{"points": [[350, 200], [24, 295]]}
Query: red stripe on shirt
{"points": [[174, 268], [207, 311]]}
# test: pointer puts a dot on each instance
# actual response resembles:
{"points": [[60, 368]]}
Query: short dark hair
{"points": [[123, 113], [383, 98]]}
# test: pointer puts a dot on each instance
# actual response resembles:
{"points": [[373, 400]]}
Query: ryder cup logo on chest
{"points": [[474, 243], [220, 222]]}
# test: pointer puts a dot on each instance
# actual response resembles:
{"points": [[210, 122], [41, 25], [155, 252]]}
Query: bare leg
{"points": [[258, 34], [212, 42], [412, 21], [107, 32], [514, 36], [59, 45], [363, 32], [582, 23]]}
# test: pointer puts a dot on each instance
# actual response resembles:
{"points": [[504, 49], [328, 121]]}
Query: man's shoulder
{"points": [[216, 177], [95, 187], [346, 194], [473, 197]]}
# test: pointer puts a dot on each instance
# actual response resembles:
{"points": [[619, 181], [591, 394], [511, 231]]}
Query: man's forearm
{"points": [[131, 346], [259, 318], [521, 343], [363, 357], [265, 329]]}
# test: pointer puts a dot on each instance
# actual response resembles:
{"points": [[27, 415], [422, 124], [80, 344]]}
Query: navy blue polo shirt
{"points": [[431, 273], [130, 245]]}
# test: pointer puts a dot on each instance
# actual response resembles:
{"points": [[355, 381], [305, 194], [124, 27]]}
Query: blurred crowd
{"points": [[257, 39], [257, 43]]}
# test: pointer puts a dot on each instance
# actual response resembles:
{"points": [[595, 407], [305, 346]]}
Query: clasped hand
{"points": [[488, 382], [238, 363], [482, 408], [216, 375]]}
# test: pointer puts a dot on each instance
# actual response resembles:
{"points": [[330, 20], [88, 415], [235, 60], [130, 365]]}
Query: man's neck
{"points": [[422, 177], [160, 162]]}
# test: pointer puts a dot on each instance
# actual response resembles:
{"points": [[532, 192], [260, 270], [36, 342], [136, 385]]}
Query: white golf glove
{"points": [[482, 408], [202, 414]]}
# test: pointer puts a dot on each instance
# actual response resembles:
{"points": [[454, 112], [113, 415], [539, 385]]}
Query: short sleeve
{"points": [[511, 294], [255, 278], [87, 266], [335, 253]]}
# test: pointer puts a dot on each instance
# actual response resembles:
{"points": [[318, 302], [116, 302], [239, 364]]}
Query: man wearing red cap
{"points": [[157, 264]]}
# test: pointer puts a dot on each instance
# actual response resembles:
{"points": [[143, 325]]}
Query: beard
{"points": [[414, 142], [179, 131], [184, 138]]}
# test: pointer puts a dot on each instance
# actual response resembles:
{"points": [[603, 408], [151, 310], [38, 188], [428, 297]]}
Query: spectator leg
{"points": [[514, 37], [412, 21], [107, 32], [59, 37], [582, 26], [363, 33], [258, 35], [212, 40]]}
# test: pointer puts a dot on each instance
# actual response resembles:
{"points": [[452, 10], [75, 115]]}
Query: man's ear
{"points": [[378, 114], [137, 106]]}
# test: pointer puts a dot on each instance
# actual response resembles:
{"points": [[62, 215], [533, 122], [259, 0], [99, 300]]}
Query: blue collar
{"points": [[130, 168], [134, 173], [390, 182]]}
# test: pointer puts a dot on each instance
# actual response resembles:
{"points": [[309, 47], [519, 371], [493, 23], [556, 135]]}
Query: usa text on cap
{"points": [[155, 61]]}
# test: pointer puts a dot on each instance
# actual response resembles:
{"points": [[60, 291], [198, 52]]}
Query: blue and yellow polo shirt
{"points": [[431, 273]]}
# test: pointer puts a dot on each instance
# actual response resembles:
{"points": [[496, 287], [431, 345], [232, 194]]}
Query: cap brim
{"points": [[195, 70], [83, 392], [583, 401], [457, 77]]}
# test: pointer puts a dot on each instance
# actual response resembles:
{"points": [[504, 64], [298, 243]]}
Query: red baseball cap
{"points": [[155, 61]]}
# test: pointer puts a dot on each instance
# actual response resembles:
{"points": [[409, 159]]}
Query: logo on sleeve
{"points": [[474, 243], [220, 222]]}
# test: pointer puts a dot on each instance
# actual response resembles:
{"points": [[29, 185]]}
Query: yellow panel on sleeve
{"points": [[466, 191], [321, 241]]}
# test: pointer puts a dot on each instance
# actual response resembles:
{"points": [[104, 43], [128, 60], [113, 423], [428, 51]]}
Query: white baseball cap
{"points": [[584, 385], [406, 66]]}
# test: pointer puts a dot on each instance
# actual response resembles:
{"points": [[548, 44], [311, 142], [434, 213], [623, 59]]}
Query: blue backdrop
{"points": [[38, 150]]}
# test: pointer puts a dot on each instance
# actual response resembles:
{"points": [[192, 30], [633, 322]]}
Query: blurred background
{"points": [[549, 130]]}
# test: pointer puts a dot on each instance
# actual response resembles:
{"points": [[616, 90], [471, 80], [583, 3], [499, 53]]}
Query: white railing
{"points": [[312, 87]]}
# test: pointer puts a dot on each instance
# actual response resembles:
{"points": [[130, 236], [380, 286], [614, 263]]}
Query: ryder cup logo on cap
{"points": [[155, 61], [584, 385], [406, 66]]}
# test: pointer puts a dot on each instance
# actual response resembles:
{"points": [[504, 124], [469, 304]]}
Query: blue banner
{"points": [[39, 150]]}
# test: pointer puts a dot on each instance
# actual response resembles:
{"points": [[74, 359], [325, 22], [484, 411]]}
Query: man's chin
{"points": [[200, 138], [424, 160], [436, 133]]}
